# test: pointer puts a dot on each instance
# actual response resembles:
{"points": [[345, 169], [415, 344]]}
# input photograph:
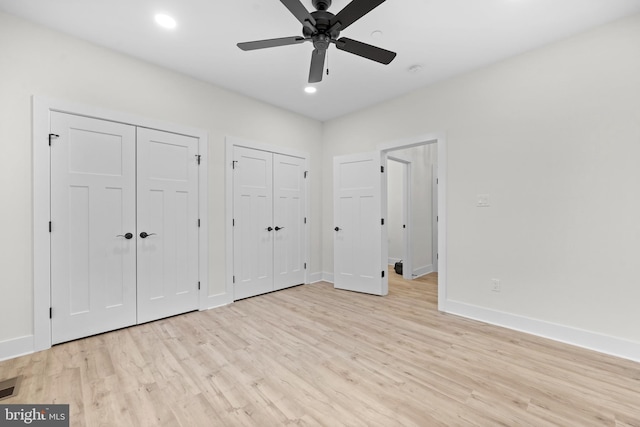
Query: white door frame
{"points": [[230, 142], [42, 106], [440, 140], [407, 252]]}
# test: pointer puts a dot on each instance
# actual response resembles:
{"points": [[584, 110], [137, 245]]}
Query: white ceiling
{"points": [[445, 37]]}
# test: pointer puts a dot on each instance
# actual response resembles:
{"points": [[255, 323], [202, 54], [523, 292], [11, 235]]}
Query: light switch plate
{"points": [[483, 201]]}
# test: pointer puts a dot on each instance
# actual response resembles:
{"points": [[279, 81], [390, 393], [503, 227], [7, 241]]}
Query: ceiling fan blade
{"points": [[317, 65], [352, 12], [262, 44], [373, 53], [301, 13]]}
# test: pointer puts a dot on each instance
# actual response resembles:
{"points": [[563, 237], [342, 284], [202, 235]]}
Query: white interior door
{"points": [[167, 224], [358, 263], [288, 211], [253, 230], [93, 266]]}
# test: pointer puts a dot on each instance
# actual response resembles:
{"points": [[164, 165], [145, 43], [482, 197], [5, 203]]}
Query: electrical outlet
{"points": [[495, 285]]}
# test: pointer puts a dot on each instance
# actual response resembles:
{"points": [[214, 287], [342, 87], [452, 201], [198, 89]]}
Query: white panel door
{"points": [[253, 222], [167, 224], [358, 264], [288, 220], [93, 266]]}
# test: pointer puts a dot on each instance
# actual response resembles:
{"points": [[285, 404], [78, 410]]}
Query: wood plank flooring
{"points": [[312, 355]]}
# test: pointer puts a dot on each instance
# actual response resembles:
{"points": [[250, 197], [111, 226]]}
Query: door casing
{"points": [[414, 141], [42, 106]]}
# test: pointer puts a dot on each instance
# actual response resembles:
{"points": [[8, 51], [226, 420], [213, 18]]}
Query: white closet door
{"points": [[288, 210], [358, 264], [168, 213], [93, 266], [253, 231]]}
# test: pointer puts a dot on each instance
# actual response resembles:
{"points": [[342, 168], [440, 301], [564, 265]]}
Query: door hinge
{"points": [[437, 181], [49, 226], [381, 169], [50, 312], [198, 158], [233, 222], [305, 173], [198, 285], [51, 136], [305, 265], [437, 218], [234, 279], [382, 273], [305, 219], [233, 164], [198, 222], [382, 221]]}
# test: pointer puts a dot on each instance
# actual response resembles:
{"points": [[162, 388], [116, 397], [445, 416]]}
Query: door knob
{"points": [[126, 235], [144, 234], [279, 228], [337, 229], [269, 228]]}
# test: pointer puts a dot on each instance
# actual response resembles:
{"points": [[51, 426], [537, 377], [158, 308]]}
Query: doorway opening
{"points": [[413, 199]]}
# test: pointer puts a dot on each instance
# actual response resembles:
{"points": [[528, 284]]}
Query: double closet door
{"points": [[124, 226], [268, 221]]}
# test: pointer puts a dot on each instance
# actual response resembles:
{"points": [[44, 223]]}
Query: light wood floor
{"points": [[312, 355]]}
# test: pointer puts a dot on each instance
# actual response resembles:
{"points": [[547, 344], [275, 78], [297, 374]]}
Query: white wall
{"points": [[37, 61], [553, 136]]}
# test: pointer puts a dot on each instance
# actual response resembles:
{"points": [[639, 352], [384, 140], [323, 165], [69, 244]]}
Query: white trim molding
{"points": [[566, 334], [315, 277], [414, 141], [327, 277], [421, 271], [42, 107], [16, 347]]}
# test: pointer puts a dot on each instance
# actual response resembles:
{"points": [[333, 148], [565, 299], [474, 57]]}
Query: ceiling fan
{"points": [[323, 28]]}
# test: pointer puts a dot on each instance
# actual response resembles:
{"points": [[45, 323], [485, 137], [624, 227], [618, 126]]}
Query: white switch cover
{"points": [[483, 201]]}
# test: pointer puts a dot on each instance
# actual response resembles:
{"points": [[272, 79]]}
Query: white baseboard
{"points": [[215, 301], [590, 340], [421, 271], [16, 347], [327, 277], [315, 277]]}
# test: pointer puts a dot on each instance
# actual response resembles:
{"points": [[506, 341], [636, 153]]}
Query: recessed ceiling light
{"points": [[310, 89], [377, 34], [165, 21]]}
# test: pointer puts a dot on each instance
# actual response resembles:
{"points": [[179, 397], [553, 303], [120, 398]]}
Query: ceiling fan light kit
{"points": [[322, 28]]}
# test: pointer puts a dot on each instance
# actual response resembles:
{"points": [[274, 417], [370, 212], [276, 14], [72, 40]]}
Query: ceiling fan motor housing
{"points": [[322, 37]]}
